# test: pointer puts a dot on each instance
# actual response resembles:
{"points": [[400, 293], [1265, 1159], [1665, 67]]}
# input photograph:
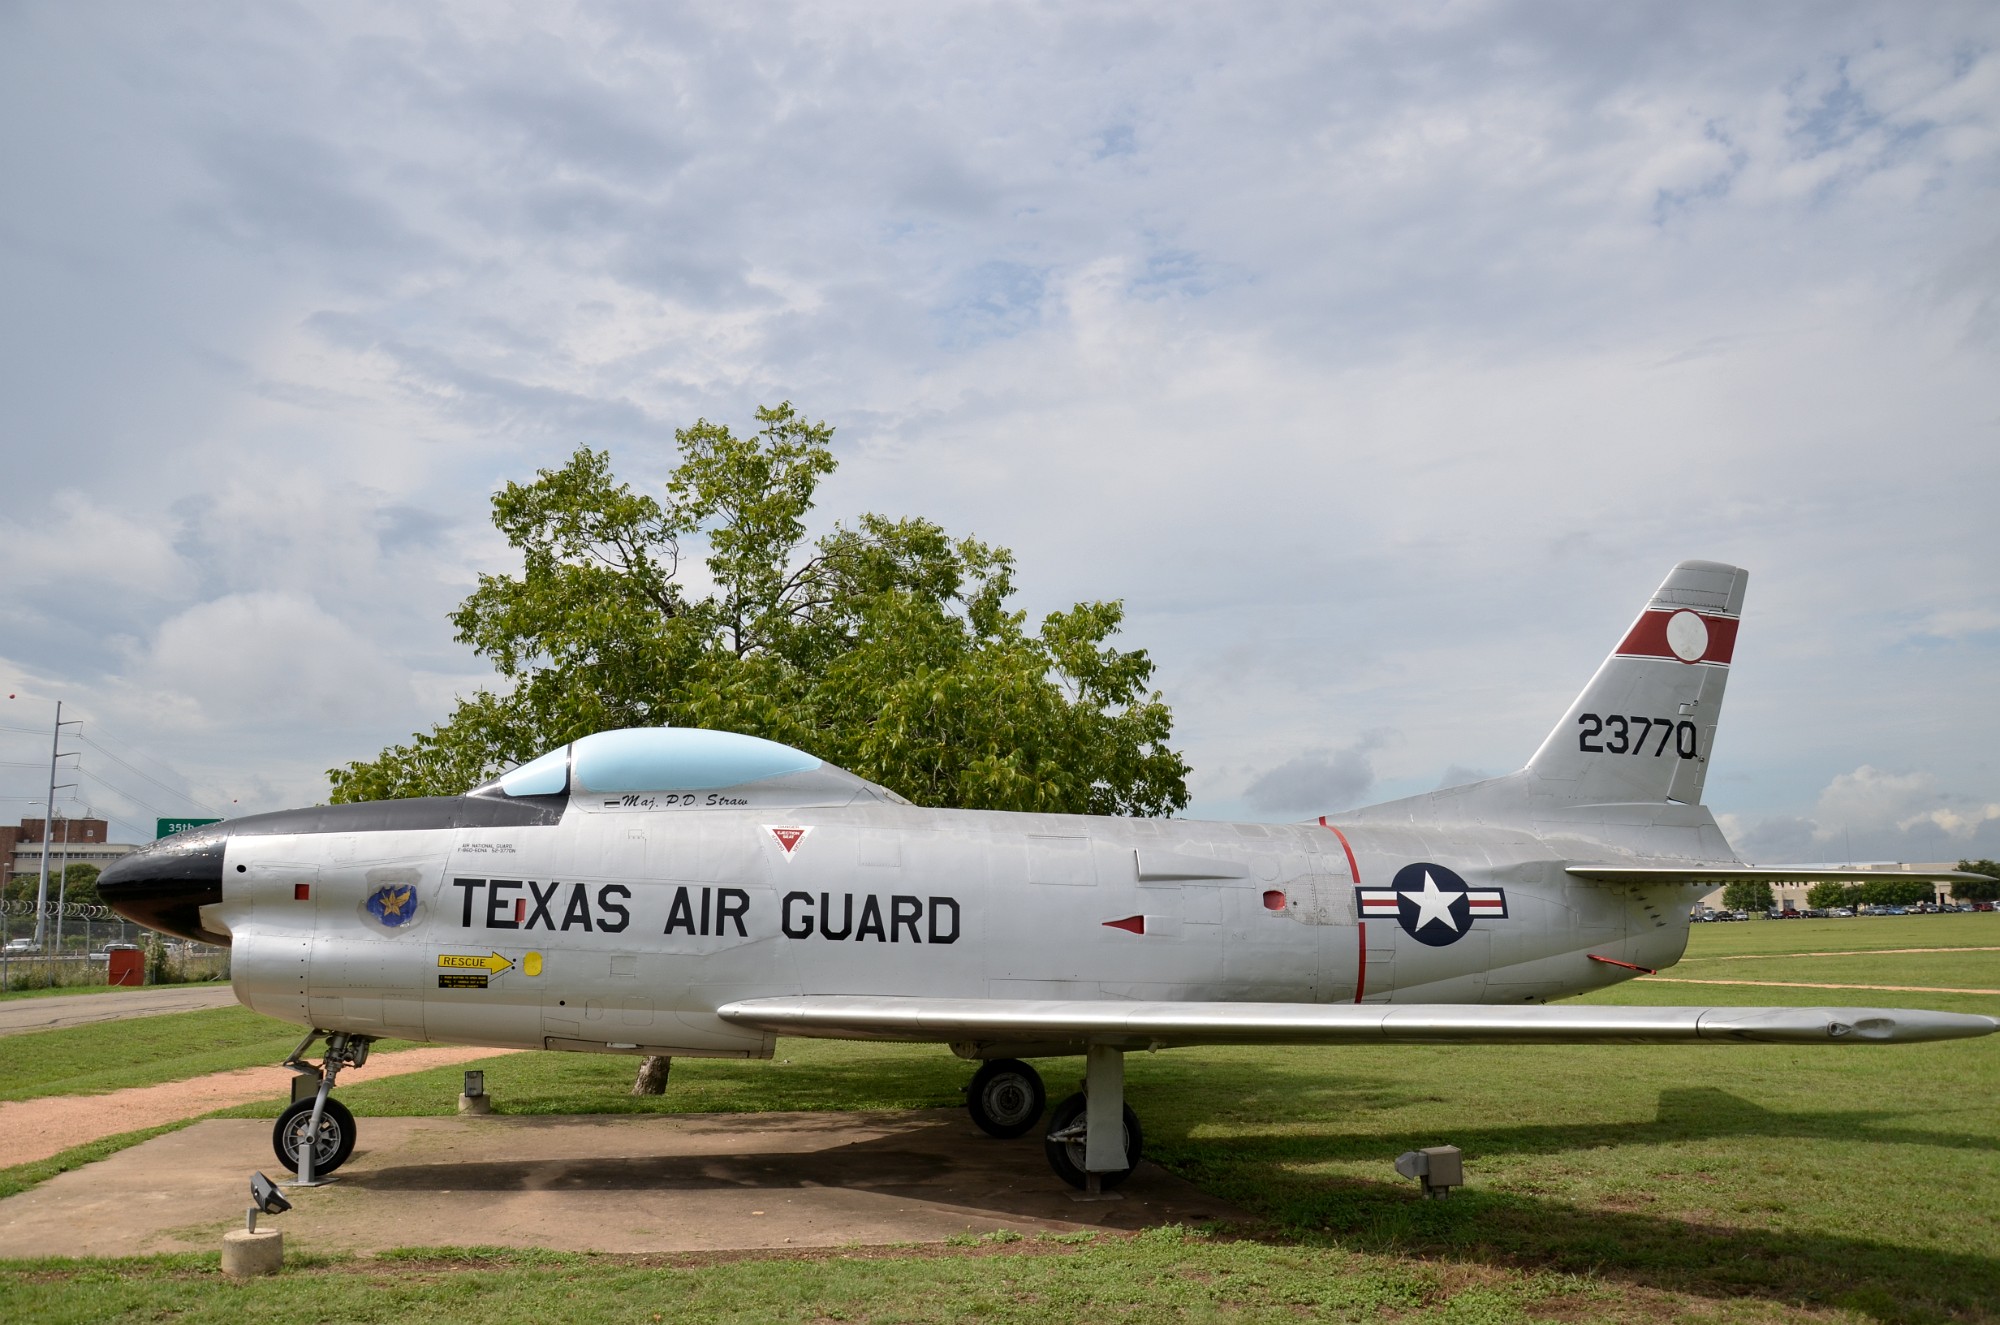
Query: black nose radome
{"points": [[164, 886]]}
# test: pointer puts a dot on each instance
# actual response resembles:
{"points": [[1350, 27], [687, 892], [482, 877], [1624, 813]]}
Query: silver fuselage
{"points": [[623, 927]]}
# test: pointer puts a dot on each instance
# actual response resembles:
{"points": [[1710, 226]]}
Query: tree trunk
{"points": [[652, 1078]]}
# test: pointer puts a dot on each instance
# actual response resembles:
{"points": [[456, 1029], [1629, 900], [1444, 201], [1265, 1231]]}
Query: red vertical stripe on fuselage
{"points": [[1361, 967], [1360, 925], [1353, 870]]}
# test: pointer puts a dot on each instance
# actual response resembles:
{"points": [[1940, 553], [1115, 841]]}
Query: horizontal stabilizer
{"points": [[1151, 1025], [1714, 874]]}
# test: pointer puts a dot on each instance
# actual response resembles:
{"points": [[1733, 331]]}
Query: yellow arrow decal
{"points": [[494, 964]]}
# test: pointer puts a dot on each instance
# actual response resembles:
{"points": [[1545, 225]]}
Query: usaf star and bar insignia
{"points": [[1433, 905]]}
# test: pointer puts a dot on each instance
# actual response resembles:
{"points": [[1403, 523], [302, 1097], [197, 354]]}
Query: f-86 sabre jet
{"points": [[699, 893]]}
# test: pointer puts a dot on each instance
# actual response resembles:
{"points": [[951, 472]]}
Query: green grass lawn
{"points": [[141, 1051], [1161, 1275], [1860, 933], [1730, 1182], [62, 991]]}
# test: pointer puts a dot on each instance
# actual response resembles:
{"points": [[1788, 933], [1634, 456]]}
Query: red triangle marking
{"points": [[788, 837], [1130, 924]]}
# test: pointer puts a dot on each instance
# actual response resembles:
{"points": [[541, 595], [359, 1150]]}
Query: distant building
{"points": [[1794, 894], [74, 841]]}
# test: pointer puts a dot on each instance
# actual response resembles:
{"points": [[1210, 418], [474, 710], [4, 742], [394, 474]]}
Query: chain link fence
{"points": [[77, 941]]}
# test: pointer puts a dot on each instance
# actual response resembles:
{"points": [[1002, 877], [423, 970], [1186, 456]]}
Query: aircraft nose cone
{"points": [[165, 885]]}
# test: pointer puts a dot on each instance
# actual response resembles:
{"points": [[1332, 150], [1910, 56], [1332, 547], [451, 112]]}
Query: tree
{"points": [[76, 882], [1978, 892], [1891, 891], [79, 883], [888, 647], [1830, 893], [1747, 895]]}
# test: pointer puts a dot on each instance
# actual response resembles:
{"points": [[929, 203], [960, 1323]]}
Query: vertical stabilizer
{"points": [[1643, 728]]}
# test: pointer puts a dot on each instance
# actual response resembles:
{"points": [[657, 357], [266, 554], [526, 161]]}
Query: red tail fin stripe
{"points": [[1648, 636]]}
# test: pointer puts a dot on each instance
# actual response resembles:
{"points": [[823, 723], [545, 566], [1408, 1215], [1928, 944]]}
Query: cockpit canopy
{"points": [[679, 759]]}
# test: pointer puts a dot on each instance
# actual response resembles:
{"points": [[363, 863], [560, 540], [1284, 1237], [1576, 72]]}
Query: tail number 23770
{"points": [[1617, 734]]}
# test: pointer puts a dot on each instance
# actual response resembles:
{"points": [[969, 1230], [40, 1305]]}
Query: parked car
{"points": [[15, 946], [1842, 913]]}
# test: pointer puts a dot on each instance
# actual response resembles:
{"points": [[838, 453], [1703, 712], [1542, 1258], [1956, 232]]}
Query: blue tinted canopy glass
{"points": [[546, 776], [679, 759]]}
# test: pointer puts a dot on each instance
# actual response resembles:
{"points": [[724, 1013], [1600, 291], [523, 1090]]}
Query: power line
{"points": [[119, 791], [141, 773]]}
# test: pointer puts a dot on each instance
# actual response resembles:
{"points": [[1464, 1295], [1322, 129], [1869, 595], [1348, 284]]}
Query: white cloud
{"points": [[1870, 799], [1318, 781], [1960, 825], [268, 657], [1869, 814], [85, 549], [1380, 376]]}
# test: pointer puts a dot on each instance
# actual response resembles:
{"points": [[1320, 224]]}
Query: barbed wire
{"points": [[21, 907]]}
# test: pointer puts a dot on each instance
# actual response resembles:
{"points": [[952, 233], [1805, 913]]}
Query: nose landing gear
{"points": [[314, 1136]]}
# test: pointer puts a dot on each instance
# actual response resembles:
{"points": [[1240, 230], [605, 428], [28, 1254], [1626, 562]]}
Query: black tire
{"points": [[1006, 1098], [1066, 1157], [336, 1136]]}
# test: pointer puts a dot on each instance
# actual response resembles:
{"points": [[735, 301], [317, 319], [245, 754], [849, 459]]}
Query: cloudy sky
{"points": [[1381, 358]]}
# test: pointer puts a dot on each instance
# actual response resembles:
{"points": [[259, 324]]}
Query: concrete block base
{"points": [[245, 1253], [475, 1104]]}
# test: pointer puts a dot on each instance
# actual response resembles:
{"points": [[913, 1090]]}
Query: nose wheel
{"points": [[1006, 1098], [314, 1136], [333, 1136]]}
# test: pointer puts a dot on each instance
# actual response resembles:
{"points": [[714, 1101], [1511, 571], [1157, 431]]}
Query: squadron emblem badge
{"points": [[394, 905]]}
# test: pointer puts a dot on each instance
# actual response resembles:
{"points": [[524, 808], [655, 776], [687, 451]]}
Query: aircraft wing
{"points": [[1153, 1025], [1713, 874]]}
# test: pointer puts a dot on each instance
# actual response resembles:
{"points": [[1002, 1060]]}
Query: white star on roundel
{"points": [[1433, 904]]}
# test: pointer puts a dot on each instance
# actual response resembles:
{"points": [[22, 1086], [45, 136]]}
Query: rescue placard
{"points": [[470, 970]]}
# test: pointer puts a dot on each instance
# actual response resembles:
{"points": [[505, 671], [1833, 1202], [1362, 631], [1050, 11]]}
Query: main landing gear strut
{"points": [[1093, 1141], [319, 1116]]}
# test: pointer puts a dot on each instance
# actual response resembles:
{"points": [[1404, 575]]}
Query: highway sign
{"points": [[168, 827]]}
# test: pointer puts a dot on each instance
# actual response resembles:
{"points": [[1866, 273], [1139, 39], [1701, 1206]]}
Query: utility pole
{"points": [[49, 826], [62, 880]]}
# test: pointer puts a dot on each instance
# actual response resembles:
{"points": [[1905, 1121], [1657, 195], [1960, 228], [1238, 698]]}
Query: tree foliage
{"points": [[1886, 891], [76, 882], [887, 647], [1988, 891], [1747, 895]]}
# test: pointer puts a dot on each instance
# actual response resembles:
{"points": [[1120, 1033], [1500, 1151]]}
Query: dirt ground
{"points": [[684, 1182], [35, 1129]]}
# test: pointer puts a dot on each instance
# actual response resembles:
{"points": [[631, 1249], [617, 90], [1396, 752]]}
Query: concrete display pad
{"points": [[689, 1182]]}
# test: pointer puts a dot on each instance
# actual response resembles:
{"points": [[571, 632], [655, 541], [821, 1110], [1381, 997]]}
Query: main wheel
{"points": [[1006, 1098], [331, 1148], [1065, 1145]]}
